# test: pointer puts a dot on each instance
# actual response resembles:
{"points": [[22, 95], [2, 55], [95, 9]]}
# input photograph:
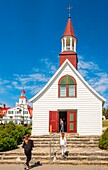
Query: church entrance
{"points": [[69, 118]]}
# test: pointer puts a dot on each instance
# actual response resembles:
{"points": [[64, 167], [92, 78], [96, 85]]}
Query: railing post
{"points": [[50, 139]]}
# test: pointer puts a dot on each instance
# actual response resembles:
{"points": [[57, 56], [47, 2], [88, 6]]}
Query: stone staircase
{"points": [[72, 141], [82, 150]]}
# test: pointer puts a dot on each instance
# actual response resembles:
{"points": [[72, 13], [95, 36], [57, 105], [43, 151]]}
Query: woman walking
{"points": [[28, 146]]}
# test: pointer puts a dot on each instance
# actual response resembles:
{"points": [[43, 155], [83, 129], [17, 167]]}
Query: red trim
{"points": [[71, 121]]}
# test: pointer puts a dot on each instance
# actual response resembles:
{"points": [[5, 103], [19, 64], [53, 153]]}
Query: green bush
{"points": [[105, 123], [11, 135], [9, 127], [3, 134], [7, 144], [28, 129], [103, 142]]}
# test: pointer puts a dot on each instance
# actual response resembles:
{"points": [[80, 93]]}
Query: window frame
{"points": [[67, 87]]}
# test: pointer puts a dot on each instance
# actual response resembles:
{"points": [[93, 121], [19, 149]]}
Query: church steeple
{"points": [[69, 41]]}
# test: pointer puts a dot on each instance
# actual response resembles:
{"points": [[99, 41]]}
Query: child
{"points": [[63, 143]]}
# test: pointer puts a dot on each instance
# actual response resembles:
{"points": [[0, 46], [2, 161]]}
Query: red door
{"points": [[71, 121], [53, 120]]}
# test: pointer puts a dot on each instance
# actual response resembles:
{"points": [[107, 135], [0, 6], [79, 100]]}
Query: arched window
{"points": [[67, 86]]}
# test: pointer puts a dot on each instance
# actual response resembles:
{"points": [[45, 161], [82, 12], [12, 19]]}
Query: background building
{"points": [[3, 112], [20, 114]]}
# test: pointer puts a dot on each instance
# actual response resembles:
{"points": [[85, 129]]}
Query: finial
{"points": [[69, 9]]}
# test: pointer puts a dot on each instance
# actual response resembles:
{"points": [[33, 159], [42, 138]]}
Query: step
{"points": [[57, 138], [68, 138], [88, 157], [68, 145], [68, 141], [71, 156], [68, 162], [81, 158], [71, 153]]}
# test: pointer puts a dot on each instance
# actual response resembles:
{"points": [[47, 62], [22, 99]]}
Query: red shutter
{"points": [[71, 121], [53, 120]]}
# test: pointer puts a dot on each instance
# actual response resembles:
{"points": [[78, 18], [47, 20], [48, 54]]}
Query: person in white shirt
{"points": [[63, 143]]}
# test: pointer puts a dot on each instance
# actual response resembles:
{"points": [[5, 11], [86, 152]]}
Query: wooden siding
{"points": [[88, 106]]}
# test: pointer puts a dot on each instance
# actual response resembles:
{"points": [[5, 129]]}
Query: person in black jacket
{"points": [[28, 146]]}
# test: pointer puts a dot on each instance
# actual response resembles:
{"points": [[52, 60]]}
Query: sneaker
{"points": [[27, 168], [66, 153]]}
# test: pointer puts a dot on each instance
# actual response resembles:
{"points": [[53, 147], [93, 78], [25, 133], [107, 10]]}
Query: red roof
{"points": [[2, 111], [69, 29], [23, 97], [30, 111]]}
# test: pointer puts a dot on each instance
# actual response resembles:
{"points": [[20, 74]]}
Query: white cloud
{"points": [[34, 81], [84, 73], [39, 77], [14, 83], [2, 90], [48, 65], [102, 84], [87, 65], [2, 82], [96, 77]]}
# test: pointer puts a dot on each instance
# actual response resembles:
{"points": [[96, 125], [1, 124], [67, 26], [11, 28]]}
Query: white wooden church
{"points": [[68, 96]]}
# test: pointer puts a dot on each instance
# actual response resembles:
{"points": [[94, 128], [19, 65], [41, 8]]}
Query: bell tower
{"points": [[22, 98], [69, 41]]}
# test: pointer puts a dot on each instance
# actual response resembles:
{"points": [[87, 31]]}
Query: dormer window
{"points": [[67, 86]]}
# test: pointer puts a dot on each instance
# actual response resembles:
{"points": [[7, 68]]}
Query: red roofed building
{"points": [[3, 111], [20, 114]]}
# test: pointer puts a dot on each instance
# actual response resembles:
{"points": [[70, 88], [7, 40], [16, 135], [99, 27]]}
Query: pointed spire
{"points": [[69, 29]]}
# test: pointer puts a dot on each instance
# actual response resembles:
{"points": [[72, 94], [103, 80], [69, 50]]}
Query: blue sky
{"points": [[30, 33]]}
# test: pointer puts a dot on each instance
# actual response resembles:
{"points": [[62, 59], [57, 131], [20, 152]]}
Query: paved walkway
{"points": [[54, 167]]}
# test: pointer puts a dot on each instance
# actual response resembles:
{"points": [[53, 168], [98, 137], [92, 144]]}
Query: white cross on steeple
{"points": [[69, 9]]}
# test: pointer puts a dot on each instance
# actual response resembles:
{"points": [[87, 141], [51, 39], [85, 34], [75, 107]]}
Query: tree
{"points": [[105, 112]]}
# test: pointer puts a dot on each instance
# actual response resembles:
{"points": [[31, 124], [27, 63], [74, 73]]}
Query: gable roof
{"points": [[67, 62]]}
